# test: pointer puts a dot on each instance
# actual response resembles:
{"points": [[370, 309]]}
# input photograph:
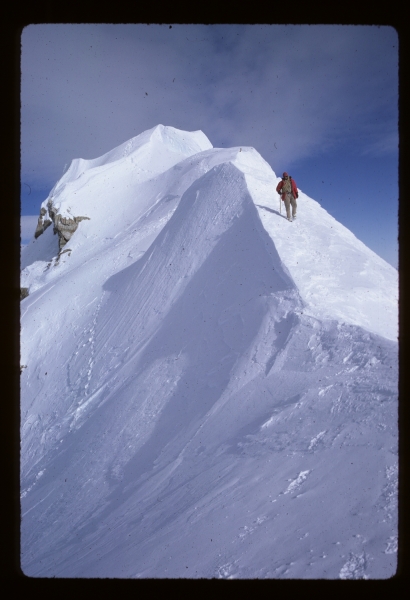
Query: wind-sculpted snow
{"points": [[151, 153], [186, 411]]}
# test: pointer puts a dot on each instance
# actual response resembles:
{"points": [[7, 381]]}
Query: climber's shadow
{"points": [[275, 212]]}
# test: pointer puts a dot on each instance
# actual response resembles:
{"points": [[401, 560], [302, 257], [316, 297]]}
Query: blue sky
{"points": [[319, 101]]}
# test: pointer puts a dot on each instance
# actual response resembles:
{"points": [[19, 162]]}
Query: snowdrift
{"points": [[208, 390]]}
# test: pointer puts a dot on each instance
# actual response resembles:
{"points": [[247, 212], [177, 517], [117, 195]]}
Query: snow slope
{"points": [[209, 390]]}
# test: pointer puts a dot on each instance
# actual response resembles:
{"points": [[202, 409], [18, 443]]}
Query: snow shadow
{"points": [[212, 324], [283, 331], [272, 210], [156, 397], [209, 327], [43, 249]]}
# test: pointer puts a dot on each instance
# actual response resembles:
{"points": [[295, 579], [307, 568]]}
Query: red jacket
{"points": [[294, 188]]}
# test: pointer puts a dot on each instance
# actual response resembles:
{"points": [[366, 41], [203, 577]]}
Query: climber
{"points": [[289, 192]]}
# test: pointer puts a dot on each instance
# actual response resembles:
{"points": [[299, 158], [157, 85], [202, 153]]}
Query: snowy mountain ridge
{"points": [[186, 354], [138, 149], [325, 259]]}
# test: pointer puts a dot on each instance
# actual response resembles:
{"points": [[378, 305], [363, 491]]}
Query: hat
{"points": [[284, 175]]}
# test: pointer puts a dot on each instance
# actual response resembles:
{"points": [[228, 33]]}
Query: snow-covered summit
{"points": [[141, 149], [198, 375], [148, 154]]}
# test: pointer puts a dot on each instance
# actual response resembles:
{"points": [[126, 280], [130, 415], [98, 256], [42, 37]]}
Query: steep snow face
{"points": [[336, 274], [193, 404], [213, 258], [109, 187]]}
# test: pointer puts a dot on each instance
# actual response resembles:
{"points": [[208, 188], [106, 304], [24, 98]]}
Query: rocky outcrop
{"points": [[42, 223], [63, 226], [23, 293]]}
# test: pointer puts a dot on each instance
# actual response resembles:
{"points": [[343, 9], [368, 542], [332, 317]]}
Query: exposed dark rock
{"points": [[63, 226], [23, 293], [42, 223], [50, 209], [57, 260]]}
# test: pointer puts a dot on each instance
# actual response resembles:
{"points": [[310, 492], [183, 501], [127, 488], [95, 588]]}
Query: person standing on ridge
{"points": [[289, 192]]}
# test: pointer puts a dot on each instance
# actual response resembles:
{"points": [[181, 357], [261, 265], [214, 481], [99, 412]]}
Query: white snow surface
{"points": [[208, 389]]}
